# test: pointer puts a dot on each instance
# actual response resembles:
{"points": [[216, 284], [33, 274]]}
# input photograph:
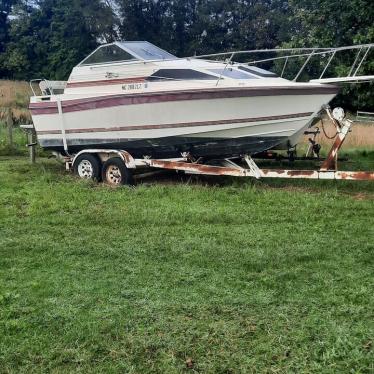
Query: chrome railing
{"points": [[362, 53]]}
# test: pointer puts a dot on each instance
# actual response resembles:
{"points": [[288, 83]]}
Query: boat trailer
{"points": [[231, 166], [243, 166]]}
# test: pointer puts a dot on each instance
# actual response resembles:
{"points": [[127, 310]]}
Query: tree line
{"points": [[46, 38]]}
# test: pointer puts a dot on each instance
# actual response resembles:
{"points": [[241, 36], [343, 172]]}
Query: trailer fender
{"points": [[105, 154]]}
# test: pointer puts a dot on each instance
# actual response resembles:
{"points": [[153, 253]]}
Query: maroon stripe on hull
{"points": [[39, 112], [106, 82], [77, 105], [178, 125]]}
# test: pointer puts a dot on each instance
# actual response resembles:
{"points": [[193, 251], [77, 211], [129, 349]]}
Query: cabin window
{"points": [[232, 73], [258, 71], [179, 74], [107, 54]]}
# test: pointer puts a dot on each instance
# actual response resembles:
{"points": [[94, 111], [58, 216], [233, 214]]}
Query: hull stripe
{"points": [[106, 82], [177, 125], [77, 105]]}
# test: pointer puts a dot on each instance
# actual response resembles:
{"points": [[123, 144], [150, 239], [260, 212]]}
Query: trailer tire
{"points": [[88, 166], [115, 173]]}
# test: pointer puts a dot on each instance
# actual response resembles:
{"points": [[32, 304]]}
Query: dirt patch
{"points": [[362, 196]]}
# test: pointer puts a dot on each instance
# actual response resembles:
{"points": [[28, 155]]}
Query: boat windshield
{"points": [[146, 51], [106, 54], [126, 51]]}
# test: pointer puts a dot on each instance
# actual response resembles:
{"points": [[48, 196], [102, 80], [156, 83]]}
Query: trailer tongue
{"points": [[254, 171]]}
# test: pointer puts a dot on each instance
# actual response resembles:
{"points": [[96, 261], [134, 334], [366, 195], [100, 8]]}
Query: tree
{"points": [[324, 24], [45, 38], [186, 27], [50, 36], [146, 20], [5, 10]]}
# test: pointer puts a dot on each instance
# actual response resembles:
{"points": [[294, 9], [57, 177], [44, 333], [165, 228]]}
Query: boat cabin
{"points": [[138, 62]]}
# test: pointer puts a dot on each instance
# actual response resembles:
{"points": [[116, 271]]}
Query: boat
{"points": [[134, 96]]}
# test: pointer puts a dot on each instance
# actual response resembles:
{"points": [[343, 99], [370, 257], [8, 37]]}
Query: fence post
{"points": [[31, 141], [32, 146], [1, 120], [9, 123]]}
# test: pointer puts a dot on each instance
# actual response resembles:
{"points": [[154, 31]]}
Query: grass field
{"points": [[213, 276], [241, 277], [15, 95]]}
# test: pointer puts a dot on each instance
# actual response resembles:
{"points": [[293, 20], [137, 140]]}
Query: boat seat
{"points": [[52, 87]]}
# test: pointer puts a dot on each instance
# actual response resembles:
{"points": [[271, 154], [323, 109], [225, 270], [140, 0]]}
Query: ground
{"points": [[235, 277]]}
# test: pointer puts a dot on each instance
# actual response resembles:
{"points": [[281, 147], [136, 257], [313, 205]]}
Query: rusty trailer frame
{"points": [[228, 166], [254, 171]]}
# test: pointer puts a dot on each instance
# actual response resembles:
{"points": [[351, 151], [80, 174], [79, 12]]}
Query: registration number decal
{"points": [[134, 86]]}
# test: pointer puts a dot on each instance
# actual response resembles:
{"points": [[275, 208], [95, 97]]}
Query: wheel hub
{"points": [[113, 175], [85, 169]]}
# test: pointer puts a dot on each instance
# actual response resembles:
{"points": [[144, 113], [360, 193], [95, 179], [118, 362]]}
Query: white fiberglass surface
{"points": [[190, 111]]}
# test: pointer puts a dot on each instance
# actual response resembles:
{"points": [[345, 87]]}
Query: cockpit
{"points": [[126, 51]]}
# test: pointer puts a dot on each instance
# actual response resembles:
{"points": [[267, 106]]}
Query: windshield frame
{"points": [[159, 53], [125, 47]]}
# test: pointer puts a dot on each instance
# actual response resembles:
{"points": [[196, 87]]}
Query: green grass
{"points": [[20, 142], [171, 277]]}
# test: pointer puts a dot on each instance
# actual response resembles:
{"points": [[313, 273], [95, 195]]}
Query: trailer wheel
{"points": [[87, 166], [115, 173]]}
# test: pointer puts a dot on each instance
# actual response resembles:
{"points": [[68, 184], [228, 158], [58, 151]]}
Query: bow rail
{"points": [[358, 52]]}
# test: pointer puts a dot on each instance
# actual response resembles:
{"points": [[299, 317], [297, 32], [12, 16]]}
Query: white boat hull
{"points": [[213, 123]]}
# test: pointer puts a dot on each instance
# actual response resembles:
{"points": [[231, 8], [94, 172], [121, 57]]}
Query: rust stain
{"points": [[127, 156], [330, 162], [129, 160], [358, 175], [293, 173], [289, 173], [270, 171], [203, 169], [219, 170]]}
